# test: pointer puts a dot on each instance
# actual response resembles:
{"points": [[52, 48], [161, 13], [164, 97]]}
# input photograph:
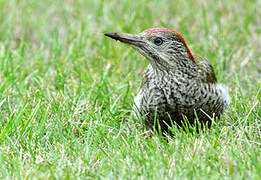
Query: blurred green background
{"points": [[66, 91]]}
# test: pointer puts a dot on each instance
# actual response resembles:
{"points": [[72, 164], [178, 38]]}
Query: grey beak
{"points": [[125, 38], [116, 36]]}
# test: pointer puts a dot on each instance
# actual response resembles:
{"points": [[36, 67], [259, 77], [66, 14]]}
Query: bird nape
{"points": [[176, 85]]}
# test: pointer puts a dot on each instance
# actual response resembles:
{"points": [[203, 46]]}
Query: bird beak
{"points": [[129, 39]]}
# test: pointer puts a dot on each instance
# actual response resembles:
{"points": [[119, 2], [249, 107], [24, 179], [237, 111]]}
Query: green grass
{"points": [[66, 91]]}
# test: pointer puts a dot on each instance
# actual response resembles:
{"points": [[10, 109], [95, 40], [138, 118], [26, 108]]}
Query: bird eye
{"points": [[158, 41]]}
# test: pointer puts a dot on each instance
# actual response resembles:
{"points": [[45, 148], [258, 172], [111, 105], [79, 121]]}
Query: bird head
{"points": [[163, 47]]}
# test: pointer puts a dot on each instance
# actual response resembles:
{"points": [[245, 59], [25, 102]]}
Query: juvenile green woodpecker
{"points": [[176, 85]]}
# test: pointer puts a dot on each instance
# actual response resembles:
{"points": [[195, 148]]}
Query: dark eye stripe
{"points": [[158, 41]]}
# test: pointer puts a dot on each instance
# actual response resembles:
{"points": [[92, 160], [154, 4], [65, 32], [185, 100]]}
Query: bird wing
{"points": [[205, 69]]}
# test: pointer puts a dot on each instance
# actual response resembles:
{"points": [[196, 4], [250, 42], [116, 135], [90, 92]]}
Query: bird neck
{"points": [[185, 68]]}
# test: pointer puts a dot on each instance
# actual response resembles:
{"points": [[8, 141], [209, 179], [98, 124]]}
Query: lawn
{"points": [[66, 91]]}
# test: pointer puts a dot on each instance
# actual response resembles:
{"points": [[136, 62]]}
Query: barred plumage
{"points": [[176, 84]]}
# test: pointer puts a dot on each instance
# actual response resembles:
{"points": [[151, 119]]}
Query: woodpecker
{"points": [[177, 86]]}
